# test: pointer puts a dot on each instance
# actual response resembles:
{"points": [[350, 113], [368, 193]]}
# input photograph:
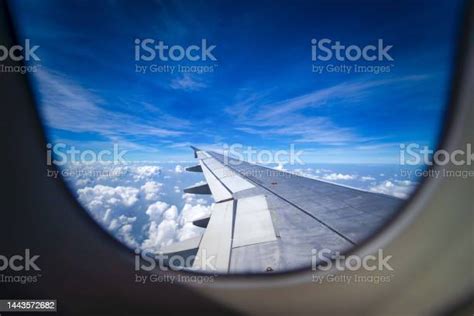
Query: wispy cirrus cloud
{"points": [[256, 115], [70, 107], [321, 97], [187, 82], [302, 130]]}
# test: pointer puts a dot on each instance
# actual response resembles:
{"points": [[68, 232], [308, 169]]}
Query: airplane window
{"points": [[249, 132]]}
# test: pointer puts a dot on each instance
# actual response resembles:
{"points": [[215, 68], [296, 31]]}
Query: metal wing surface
{"points": [[267, 220]]}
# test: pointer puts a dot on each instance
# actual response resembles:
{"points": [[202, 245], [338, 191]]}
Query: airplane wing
{"points": [[266, 220]]}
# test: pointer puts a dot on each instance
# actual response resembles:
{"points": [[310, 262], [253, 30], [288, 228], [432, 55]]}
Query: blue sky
{"points": [[262, 92]]}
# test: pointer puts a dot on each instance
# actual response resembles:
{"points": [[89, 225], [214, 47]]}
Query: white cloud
{"points": [[72, 107], [187, 82], [107, 205], [125, 234], [122, 227], [339, 176], [163, 226], [201, 201], [151, 190], [367, 178], [189, 198], [189, 214], [303, 129], [145, 172], [120, 221], [127, 201], [155, 210], [341, 91], [160, 235], [107, 215], [179, 169], [82, 182], [400, 189], [167, 225], [130, 203], [280, 167], [192, 212], [266, 117], [101, 197], [171, 213], [404, 182]]}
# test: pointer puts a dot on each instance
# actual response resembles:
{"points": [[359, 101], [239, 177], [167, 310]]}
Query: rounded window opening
{"points": [[252, 137]]}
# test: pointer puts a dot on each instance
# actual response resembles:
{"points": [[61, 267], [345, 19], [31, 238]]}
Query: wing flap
{"points": [[253, 222], [216, 242], [182, 246]]}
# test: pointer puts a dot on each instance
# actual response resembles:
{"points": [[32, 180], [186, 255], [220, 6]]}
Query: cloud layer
{"points": [[141, 204]]}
